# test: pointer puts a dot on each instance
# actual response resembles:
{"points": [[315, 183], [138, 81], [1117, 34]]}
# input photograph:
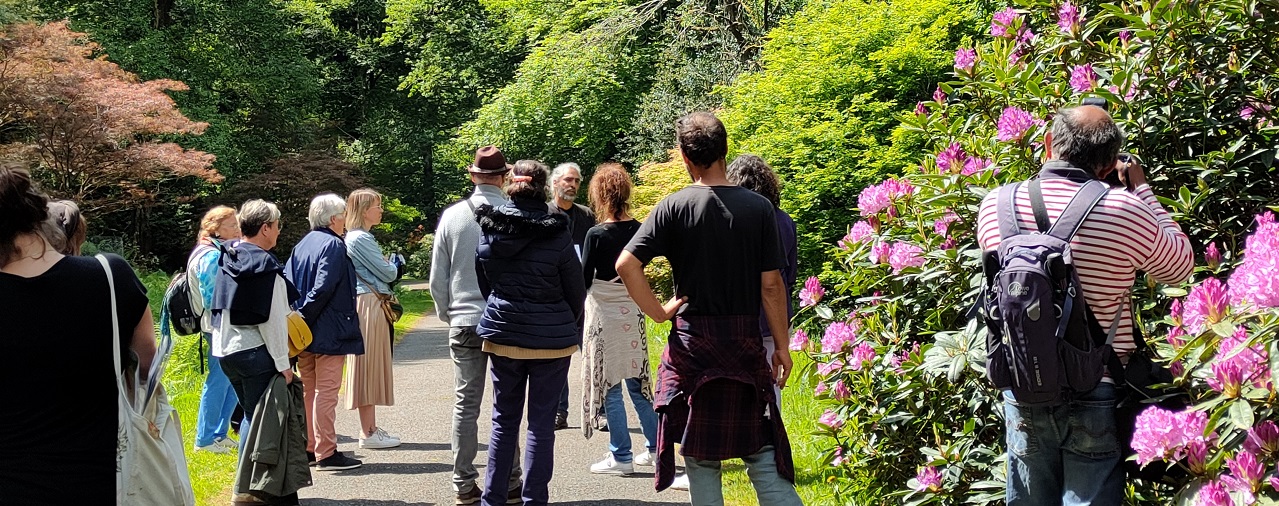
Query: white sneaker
{"points": [[227, 443], [680, 483], [610, 466], [645, 459], [213, 448], [380, 439]]}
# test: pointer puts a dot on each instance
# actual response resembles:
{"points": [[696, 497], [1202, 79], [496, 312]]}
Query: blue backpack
{"points": [[1043, 342]]}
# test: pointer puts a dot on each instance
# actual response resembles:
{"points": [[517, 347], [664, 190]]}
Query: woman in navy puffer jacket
{"points": [[531, 278]]}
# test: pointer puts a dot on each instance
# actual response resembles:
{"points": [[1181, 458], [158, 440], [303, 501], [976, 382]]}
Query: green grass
{"points": [[211, 474], [800, 411]]}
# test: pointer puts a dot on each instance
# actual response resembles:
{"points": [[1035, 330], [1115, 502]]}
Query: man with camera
{"points": [[1066, 451]]}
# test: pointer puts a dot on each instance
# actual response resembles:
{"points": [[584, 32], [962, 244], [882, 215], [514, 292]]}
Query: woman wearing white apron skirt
{"points": [[614, 346]]}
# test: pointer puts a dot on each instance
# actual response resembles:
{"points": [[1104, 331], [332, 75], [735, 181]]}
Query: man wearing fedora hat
{"points": [[458, 303]]}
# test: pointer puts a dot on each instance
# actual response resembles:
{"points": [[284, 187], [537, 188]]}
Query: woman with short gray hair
{"points": [[325, 278]]}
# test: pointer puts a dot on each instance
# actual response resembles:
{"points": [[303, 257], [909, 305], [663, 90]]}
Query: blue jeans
{"points": [[1064, 455], [217, 403], [619, 435], [705, 485], [540, 381]]}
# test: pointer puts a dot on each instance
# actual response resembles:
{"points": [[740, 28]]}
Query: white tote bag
{"points": [[150, 466]]}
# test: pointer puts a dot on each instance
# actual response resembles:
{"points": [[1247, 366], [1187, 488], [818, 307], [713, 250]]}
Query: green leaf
{"points": [[1241, 414], [1173, 292], [825, 312], [1223, 329]]}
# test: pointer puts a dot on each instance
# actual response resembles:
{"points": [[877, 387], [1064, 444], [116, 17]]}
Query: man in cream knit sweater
{"points": [[458, 303]]}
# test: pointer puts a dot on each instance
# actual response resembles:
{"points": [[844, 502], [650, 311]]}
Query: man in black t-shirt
{"points": [[566, 180], [715, 388]]}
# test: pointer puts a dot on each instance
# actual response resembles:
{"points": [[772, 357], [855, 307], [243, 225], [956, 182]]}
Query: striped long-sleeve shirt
{"points": [[1127, 232]]}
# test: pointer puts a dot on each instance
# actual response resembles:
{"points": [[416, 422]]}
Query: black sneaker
{"points": [[561, 421], [337, 462], [465, 498], [310, 459]]}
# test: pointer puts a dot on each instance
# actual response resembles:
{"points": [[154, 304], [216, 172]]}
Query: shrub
{"points": [[911, 418]]}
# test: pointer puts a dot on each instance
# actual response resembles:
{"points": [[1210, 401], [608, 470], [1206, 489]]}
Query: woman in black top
{"points": [[615, 349], [56, 315]]}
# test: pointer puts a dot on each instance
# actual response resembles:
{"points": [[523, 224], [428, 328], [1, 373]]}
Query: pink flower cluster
{"points": [[1255, 282], [965, 59], [951, 159], [1207, 304], [831, 419], [1213, 493], [879, 252], [1004, 24], [799, 342], [903, 255], [862, 356], [856, 234], [1263, 439], [974, 165], [1083, 78], [942, 225], [1246, 474], [840, 391], [1160, 434], [1237, 364], [837, 335], [1069, 18], [1212, 256], [829, 368], [874, 199], [1013, 124], [928, 478], [812, 292]]}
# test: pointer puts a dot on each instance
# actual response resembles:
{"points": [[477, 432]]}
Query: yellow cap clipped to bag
{"points": [[299, 334]]}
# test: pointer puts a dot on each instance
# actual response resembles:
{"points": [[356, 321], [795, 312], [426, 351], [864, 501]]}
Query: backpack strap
{"points": [[1006, 209], [1037, 205], [1073, 216]]}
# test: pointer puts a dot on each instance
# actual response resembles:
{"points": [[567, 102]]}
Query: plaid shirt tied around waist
{"points": [[715, 395]]}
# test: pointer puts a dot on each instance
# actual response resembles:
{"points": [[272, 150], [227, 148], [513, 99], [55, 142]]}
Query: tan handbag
{"points": [[391, 306], [151, 467]]}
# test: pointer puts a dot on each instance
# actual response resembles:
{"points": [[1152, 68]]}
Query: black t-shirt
{"points": [[580, 220], [718, 240], [59, 425], [604, 243]]}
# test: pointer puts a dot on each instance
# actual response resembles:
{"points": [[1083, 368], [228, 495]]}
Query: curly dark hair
{"points": [[702, 138], [610, 191], [535, 188], [753, 173], [23, 210]]}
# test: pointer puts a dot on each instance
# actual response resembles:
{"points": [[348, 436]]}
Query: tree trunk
{"points": [[163, 11]]}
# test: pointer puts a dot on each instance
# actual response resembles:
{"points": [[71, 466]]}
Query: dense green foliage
{"points": [[823, 110]]}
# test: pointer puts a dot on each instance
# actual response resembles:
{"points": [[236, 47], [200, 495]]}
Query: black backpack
{"points": [[183, 318], [1042, 342]]}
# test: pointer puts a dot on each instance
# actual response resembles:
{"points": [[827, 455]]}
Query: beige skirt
{"points": [[369, 381]]}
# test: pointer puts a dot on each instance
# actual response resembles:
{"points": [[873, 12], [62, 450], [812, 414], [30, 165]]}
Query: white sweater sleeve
{"points": [[275, 332]]}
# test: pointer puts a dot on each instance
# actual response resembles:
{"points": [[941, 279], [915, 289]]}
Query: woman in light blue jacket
{"points": [[369, 379], [217, 399]]}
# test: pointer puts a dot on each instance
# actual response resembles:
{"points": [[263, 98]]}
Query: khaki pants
{"points": [[321, 379]]}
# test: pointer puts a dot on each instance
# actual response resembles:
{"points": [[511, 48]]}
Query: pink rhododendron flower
{"points": [[1237, 364], [1213, 494], [1068, 18], [951, 159], [1124, 35], [928, 478], [1197, 457], [1274, 483], [800, 341], [837, 335], [920, 110], [856, 234], [862, 355], [1206, 305], [943, 224], [903, 255], [1013, 124], [1174, 311], [1255, 282], [879, 253], [840, 391], [939, 96], [1263, 439], [948, 244], [1176, 368], [831, 419], [874, 199], [830, 368], [1245, 475], [1175, 336], [1160, 434], [1083, 78], [821, 388], [1004, 22], [965, 58], [1212, 256], [812, 292], [839, 456], [974, 165]]}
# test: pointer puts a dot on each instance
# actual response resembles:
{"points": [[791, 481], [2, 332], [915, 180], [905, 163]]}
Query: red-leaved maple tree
{"points": [[96, 133]]}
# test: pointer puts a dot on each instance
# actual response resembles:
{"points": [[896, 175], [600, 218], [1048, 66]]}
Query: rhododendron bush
{"points": [[909, 416]]}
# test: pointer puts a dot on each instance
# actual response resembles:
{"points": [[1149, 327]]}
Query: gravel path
{"points": [[419, 472]]}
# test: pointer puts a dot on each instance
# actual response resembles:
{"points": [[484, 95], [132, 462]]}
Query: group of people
{"points": [[525, 279]]}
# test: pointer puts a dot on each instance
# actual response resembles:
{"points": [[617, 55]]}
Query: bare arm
{"points": [[773, 292], [631, 270], [143, 342]]}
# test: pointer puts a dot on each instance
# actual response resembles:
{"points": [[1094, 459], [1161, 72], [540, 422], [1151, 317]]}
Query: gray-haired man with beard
{"points": [[566, 179]]}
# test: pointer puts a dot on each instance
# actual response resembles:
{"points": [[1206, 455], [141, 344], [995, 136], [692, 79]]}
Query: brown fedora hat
{"points": [[489, 160]]}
